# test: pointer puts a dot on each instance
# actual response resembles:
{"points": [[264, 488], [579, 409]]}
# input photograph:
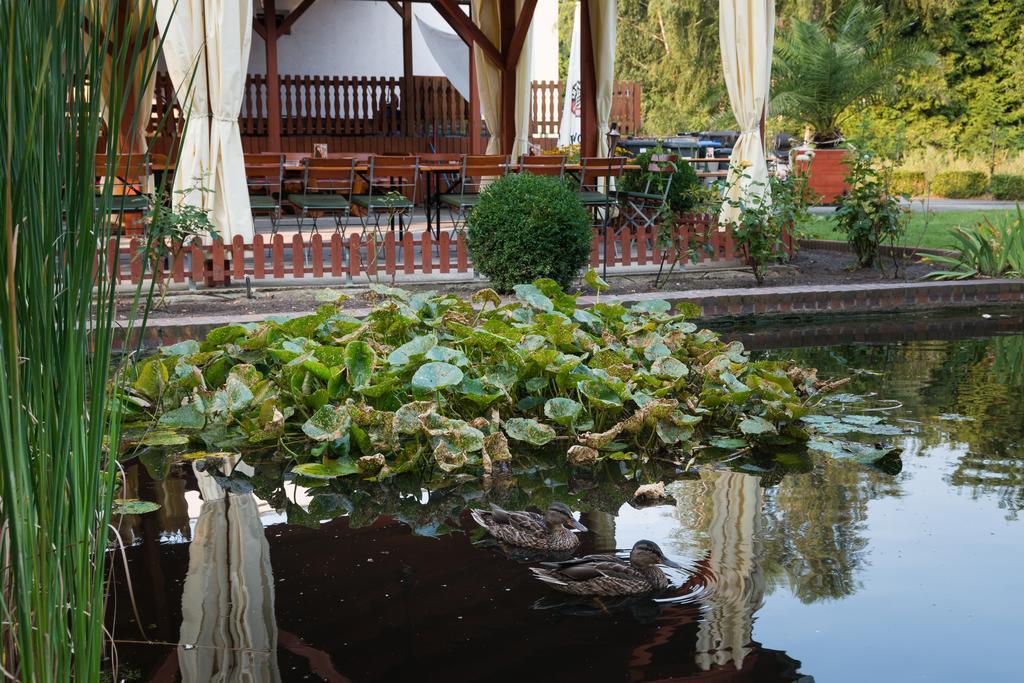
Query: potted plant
{"points": [[829, 69]]}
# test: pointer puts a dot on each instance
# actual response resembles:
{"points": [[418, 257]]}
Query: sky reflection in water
{"points": [[823, 569]]}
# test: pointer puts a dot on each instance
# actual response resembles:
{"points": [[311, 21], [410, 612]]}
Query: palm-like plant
{"points": [[824, 68]]}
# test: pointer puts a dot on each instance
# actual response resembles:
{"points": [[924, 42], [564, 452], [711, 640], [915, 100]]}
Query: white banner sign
{"points": [[570, 126]]}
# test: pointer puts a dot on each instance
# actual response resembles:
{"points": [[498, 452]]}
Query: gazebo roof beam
{"points": [[467, 30], [519, 37]]}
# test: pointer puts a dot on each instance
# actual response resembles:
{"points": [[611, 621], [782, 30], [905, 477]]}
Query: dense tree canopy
{"points": [[974, 96]]}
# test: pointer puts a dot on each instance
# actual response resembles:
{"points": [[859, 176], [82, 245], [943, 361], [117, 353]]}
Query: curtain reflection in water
{"points": [[228, 629]]}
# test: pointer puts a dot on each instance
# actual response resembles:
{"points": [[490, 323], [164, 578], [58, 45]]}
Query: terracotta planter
{"points": [[826, 174]]}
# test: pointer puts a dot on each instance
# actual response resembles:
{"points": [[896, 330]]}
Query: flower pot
{"points": [[826, 174]]}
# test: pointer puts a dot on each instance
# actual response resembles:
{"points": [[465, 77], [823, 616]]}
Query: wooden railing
{"points": [[332, 255], [546, 112], [346, 106]]}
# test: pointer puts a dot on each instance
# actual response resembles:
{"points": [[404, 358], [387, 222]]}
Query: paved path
{"points": [[940, 206]]}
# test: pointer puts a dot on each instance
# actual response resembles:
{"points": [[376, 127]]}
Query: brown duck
{"points": [[608, 575], [549, 531]]}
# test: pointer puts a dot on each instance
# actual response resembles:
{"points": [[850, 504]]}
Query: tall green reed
{"points": [[59, 423]]}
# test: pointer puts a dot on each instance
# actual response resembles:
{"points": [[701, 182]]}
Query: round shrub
{"points": [[683, 195], [908, 182], [526, 227], [960, 184], [1007, 186]]}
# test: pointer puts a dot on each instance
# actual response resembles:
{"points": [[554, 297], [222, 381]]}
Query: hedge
{"points": [[912, 183], [960, 184], [1007, 186]]}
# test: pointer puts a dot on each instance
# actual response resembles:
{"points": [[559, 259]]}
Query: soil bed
{"points": [[811, 267]]}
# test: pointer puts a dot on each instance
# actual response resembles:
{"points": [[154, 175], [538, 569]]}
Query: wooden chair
{"points": [[597, 191], [327, 190], [393, 182], [264, 174], [475, 174], [643, 208], [543, 164], [129, 179]]}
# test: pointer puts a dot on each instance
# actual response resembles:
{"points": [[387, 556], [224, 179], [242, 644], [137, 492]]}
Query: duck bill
{"points": [[576, 525], [669, 563]]}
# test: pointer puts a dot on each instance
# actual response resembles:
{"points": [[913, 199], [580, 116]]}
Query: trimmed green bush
{"points": [[527, 227], [960, 184], [685, 192], [908, 182], [1007, 186]]}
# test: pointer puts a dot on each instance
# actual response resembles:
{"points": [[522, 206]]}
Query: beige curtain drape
{"points": [[183, 34], [603, 19], [746, 30], [228, 628], [228, 38], [487, 16]]}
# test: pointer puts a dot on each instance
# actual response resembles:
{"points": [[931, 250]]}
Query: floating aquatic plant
{"points": [[427, 376]]}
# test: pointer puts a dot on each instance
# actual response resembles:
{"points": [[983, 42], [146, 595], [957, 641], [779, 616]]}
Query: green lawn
{"points": [[934, 233]]}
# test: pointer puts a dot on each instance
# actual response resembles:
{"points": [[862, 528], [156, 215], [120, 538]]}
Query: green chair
{"points": [[475, 174], [392, 185], [129, 178], [264, 174], [643, 208], [597, 192], [327, 191]]}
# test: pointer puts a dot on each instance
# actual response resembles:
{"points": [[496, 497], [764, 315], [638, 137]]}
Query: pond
{"points": [[798, 568]]}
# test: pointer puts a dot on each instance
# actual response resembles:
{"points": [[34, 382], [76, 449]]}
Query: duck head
{"points": [[559, 515], [647, 553]]}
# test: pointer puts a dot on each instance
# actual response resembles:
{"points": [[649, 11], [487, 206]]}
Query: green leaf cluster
{"points": [[430, 377]]}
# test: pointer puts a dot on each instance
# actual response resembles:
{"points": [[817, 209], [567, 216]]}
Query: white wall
{"points": [[358, 38], [347, 38]]}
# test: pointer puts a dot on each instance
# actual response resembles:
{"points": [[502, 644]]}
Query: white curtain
{"points": [[487, 16], [746, 30], [228, 37], [603, 19], [210, 38], [488, 76], [181, 25], [450, 53], [524, 92]]}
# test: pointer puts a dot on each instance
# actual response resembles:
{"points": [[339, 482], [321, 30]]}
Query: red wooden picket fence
{"points": [[268, 258], [546, 109]]}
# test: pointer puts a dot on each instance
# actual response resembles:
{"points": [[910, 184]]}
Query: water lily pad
{"points": [[728, 444], [447, 355], [327, 424], [670, 367], [529, 430], [164, 438], [419, 346], [532, 295], [330, 469], [182, 348], [595, 281], [562, 410], [188, 416], [134, 506], [866, 454], [599, 393], [359, 361], [436, 375], [756, 426], [652, 306]]}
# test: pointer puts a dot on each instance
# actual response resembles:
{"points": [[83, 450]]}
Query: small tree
{"points": [[764, 218], [870, 214]]}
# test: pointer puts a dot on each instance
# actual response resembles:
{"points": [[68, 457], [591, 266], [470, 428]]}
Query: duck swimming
{"points": [[549, 531], [608, 575]]}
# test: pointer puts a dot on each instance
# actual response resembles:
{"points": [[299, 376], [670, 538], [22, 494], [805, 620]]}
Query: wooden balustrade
{"points": [[349, 106]]}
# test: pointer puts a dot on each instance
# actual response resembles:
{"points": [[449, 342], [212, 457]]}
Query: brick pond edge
{"points": [[795, 300]]}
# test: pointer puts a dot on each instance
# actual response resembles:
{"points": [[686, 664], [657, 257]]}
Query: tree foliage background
{"points": [[973, 99]]}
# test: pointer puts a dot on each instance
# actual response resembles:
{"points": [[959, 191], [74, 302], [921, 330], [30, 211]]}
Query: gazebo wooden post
{"points": [[408, 103], [588, 85], [270, 36]]}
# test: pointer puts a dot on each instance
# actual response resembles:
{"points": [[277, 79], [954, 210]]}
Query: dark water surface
{"points": [[798, 568]]}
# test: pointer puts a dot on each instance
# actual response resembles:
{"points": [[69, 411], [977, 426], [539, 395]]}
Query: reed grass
{"points": [[59, 424], [931, 160]]}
